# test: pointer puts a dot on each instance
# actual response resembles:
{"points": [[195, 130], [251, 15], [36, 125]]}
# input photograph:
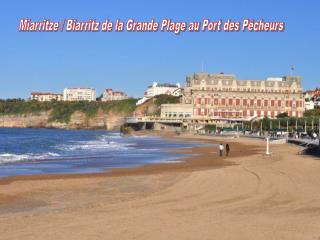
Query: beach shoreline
{"points": [[186, 163], [245, 196]]}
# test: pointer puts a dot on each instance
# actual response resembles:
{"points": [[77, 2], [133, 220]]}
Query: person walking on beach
{"points": [[227, 149], [221, 147]]}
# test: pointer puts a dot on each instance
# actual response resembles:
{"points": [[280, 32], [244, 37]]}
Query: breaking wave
{"points": [[10, 157]]}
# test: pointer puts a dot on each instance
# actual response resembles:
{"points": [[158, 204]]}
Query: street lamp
{"points": [[267, 147], [287, 130], [305, 125]]}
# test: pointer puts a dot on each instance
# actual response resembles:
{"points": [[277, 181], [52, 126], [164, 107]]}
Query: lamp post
{"points": [[305, 125], [287, 130], [267, 147]]}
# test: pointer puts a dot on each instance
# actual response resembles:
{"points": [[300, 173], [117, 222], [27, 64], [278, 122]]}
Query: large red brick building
{"points": [[223, 96]]}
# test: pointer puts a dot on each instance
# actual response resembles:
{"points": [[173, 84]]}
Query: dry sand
{"points": [[244, 196]]}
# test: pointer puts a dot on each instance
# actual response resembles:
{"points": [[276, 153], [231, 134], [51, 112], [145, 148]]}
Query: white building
{"points": [[158, 89], [79, 94], [110, 95], [176, 111], [45, 96], [309, 105], [316, 98], [312, 99]]}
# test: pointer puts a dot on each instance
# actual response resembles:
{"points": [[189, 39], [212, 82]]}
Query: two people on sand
{"points": [[221, 149]]}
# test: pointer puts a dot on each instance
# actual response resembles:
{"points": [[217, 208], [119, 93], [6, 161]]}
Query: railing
{"points": [[153, 119], [182, 119]]}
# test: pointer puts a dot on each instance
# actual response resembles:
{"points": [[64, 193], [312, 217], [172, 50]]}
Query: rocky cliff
{"points": [[78, 120]]}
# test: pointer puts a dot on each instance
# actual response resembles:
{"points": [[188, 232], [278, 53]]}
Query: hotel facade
{"points": [[222, 96]]}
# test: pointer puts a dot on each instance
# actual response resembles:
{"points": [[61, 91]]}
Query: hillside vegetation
{"points": [[165, 99], [313, 113], [62, 111]]}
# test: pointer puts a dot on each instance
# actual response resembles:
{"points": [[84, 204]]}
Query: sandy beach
{"points": [[243, 196]]}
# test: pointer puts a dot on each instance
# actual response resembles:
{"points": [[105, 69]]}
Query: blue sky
{"points": [[131, 61]]}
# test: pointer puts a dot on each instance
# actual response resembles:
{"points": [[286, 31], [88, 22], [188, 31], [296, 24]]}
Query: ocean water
{"points": [[51, 151]]}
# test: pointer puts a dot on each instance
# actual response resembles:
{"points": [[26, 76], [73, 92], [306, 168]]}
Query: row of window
{"points": [[248, 103], [245, 113], [250, 90], [180, 115]]}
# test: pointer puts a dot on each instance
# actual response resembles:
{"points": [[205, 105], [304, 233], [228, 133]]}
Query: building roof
{"points": [[83, 88], [163, 85], [119, 93], [45, 93], [114, 93]]}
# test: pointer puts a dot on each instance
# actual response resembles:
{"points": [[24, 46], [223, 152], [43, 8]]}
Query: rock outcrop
{"points": [[79, 120]]}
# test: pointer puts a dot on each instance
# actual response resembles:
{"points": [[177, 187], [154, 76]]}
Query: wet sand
{"points": [[243, 196]]}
